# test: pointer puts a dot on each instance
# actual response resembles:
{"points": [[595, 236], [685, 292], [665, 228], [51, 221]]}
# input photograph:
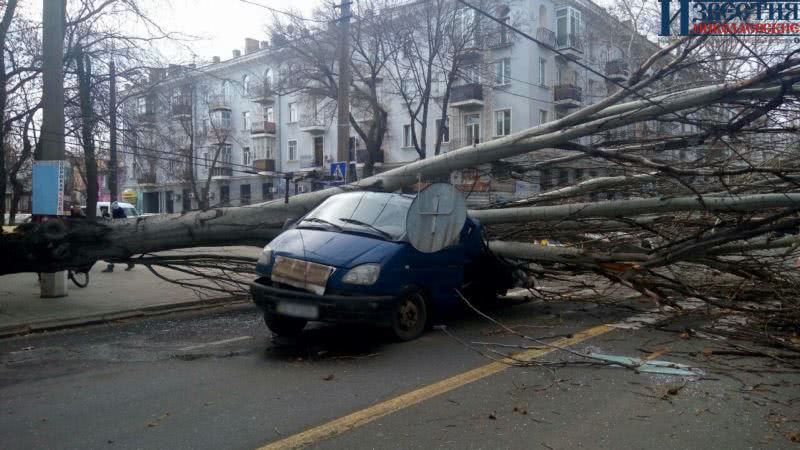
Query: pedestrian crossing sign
{"points": [[339, 170]]}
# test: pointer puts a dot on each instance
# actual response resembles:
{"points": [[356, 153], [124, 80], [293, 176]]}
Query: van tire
{"points": [[284, 325], [410, 315]]}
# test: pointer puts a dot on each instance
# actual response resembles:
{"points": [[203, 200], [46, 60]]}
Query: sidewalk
{"points": [[109, 296]]}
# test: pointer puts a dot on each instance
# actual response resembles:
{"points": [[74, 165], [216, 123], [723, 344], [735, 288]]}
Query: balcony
{"points": [[546, 36], [262, 127], [146, 115], [219, 102], [361, 156], [571, 45], [181, 108], [567, 96], [617, 70], [262, 94], [146, 179], [313, 126], [499, 38], [221, 172], [264, 165], [467, 96]]}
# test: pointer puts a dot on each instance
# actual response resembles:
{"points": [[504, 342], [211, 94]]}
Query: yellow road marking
{"points": [[374, 412], [656, 353]]}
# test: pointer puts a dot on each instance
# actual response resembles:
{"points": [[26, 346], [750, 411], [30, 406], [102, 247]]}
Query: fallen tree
{"points": [[58, 245]]}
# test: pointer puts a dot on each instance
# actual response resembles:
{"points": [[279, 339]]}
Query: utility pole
{"points": [[84, 71], [53, 22], [343, 130], [112, 108]]}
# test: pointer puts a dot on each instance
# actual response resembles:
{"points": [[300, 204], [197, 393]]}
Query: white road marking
{"points": [[211, 344]]}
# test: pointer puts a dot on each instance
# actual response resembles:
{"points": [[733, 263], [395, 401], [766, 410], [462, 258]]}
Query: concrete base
{"points": [[53, 285]]}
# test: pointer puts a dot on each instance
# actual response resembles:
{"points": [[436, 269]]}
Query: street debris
{"points": [[650, 366]]}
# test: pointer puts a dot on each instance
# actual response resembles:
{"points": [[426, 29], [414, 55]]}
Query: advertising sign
{"points": [[48, 188]]}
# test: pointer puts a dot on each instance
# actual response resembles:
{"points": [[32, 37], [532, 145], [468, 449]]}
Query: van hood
{"points": [[331, 248]]}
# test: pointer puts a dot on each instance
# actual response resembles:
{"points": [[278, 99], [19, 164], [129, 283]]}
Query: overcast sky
{"points": [[222, 25]]}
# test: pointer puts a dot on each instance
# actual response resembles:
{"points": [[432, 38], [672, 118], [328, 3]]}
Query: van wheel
{"points": [[284, 325], [410, 315]]}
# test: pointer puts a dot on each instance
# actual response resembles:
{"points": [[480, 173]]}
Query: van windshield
{"points": [[372, 212]]}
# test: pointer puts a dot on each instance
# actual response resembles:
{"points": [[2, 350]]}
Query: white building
{"points": [[260, 138]]}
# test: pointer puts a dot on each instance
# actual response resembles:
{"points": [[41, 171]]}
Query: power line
{"points": [[285, 13], [179, 158]]}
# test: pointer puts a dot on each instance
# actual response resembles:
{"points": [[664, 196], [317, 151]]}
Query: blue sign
{"points": [[48, 188], [339, 170]]}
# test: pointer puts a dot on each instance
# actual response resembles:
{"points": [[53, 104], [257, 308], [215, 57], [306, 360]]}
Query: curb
{"points": [[94, 319]]}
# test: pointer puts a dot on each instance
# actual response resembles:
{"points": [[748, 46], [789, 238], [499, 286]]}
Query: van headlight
{"points": [[266, 256], [364, 274]]}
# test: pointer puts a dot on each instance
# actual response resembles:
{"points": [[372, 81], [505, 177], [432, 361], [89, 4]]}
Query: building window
{"points": [[269, 114], [246, 121], [292, 150], [226, 89], [472, 74], [246, 84], [472, 128], [247, 156], [542, 116], [225, 155], [292, 112], [542, 72], [141, 105], [568, 26], [266, 191], [226, 120], [502, 71], [268, 79], [439, 83], [445, 129], [502, 121], [466, 25], [224, 195], [319, 151], [244, 194], [406, 136], [221, 120]]}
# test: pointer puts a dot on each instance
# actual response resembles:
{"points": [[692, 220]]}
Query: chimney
{"points": [[264, 44], [237, 53], [250, 46], [215, 59], [156, 74], [174, 70]]}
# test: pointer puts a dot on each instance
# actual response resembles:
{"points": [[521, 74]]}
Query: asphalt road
{"points": [[215, 380]]}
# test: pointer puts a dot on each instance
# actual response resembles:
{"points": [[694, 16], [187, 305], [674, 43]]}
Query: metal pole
{"points": [[288, 177], [112, 107], [343, 130], [53, 22]]}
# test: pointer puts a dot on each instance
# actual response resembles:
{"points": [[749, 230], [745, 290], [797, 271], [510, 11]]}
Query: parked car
{"points": [[130, 210], [349, 261]]}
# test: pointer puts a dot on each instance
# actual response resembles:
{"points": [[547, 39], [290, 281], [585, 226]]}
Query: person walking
{"points": [[117, 213]]}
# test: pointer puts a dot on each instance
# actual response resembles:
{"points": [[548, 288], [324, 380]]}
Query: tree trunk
{"points": [[8, 15], [636, 207]]}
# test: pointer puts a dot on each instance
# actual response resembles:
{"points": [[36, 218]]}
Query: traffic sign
{"points": [[339, 170]]}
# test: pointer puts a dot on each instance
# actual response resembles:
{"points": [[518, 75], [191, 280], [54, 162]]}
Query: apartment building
{"points": [[219, 131]]}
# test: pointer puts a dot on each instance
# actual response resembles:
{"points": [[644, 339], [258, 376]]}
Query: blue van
{"points": [[349, 261]]}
